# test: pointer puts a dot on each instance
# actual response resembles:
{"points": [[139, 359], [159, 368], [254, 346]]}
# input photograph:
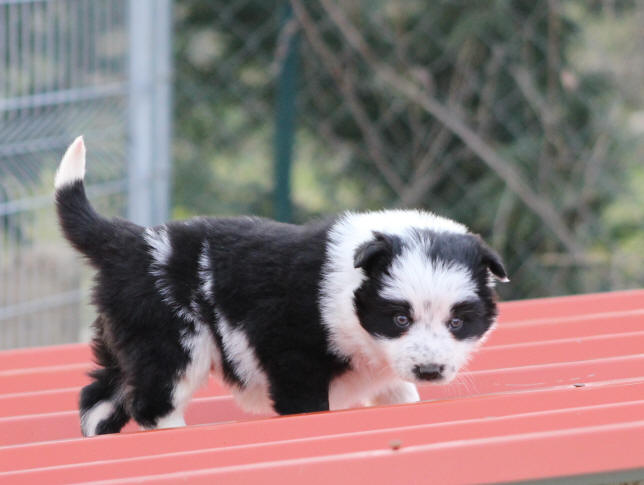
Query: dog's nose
{"points": [[429, 372]]}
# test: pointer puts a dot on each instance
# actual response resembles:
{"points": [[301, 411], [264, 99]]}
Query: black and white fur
{"points": [[351, 311]]}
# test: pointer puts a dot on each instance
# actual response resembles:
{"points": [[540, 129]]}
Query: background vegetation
{"points": [[521, 119]]}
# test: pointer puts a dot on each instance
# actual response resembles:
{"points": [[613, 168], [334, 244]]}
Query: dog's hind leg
{"points": [[101, 402], [101, 407], [161, 403]]}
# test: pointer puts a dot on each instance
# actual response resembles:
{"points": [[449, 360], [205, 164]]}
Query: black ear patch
{"points": [[377, 253], [493, 261]]}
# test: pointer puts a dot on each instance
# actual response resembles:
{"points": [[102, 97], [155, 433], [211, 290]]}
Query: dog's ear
{"points": [[377, 253], [493, 262]]}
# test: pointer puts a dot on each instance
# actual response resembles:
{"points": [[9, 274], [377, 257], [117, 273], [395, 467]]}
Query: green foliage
{"points": [[509, 70]]}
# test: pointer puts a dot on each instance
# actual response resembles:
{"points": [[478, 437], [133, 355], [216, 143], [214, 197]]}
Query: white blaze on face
{"points": [[431, 288]]}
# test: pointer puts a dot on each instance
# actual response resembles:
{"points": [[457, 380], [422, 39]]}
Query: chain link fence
{"points": [[522, 119], [63, 72]]}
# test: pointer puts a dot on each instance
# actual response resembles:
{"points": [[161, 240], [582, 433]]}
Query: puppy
{"points": [[351, 311]]}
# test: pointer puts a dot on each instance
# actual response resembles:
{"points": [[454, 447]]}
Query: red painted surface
{"points": [[558, 389]]}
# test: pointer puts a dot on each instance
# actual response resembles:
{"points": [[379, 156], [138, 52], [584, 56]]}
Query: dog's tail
{"points": [[89, 232]]}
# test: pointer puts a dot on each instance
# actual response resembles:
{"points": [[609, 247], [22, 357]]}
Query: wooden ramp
{"points": [[556, 391]]}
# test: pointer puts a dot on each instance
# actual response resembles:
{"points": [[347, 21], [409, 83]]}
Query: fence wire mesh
{"points": [[522, 119], [62, 73]]}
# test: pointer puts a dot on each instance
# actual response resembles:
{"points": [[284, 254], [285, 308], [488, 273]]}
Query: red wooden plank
{"points": [[40, 402], [44, 378], [308, 426], [504, 458], [565, 350], [325, 444], [568, 327], [44, 356], [66, 424], [526, 361], [571, 306]]}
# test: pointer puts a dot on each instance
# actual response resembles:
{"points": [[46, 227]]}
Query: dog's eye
{"points": [[455, 324], [402, 321]]}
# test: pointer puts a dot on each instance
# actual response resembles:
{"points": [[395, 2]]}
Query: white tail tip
{"points": [[72, 167]]}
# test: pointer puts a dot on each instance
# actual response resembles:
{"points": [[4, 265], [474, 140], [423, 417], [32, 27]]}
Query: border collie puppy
{"points": [[353, 311]]}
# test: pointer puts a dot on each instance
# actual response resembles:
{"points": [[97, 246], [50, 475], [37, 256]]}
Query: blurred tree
{"points": [[475, 110]]}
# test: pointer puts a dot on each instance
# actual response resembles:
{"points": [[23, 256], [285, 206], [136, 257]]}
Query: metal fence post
{"points": [[285, 125], [150, 27]]}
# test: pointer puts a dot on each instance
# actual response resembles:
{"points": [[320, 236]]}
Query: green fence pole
{"points": [[285, 125]]}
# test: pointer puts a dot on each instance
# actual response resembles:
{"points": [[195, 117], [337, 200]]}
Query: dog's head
{"points": [[427, 299]]}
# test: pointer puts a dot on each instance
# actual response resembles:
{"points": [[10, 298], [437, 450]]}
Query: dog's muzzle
{"points": [[429, 372]]}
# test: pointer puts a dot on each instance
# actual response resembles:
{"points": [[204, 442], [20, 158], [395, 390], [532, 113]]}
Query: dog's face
{"points": [[427, 299]]}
